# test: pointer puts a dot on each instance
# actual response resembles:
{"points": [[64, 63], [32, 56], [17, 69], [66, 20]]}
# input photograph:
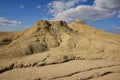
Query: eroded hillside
{"points": [[54, 42]]}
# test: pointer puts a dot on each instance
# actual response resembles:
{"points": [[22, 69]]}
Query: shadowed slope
{"points": [[41, 37]]}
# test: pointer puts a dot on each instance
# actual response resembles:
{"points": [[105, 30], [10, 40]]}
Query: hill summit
{"points": [[76, 39], [55, 50]]}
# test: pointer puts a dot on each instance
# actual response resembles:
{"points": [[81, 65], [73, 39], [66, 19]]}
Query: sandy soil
{"points": [[55, 50], [71, 70]]}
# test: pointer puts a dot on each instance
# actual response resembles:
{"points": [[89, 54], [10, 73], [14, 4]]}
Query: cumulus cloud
{"points": [[100, 9], [4, 21], [56, 7], [108, 4], [87, 13]]}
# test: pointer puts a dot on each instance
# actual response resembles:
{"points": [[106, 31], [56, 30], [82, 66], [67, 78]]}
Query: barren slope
{"points": [[55, 42]]}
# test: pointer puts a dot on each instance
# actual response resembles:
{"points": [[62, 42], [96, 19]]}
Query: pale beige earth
{"points": [[72, 70], [55, 50]]}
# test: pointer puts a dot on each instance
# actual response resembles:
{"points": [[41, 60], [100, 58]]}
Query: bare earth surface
{"points": [[55, 50], [72, 70]]}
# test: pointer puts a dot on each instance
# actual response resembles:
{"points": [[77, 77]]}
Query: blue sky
{"points": [[16, 15]]}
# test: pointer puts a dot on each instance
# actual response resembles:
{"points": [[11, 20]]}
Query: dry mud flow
{"points": [[55, 50]]}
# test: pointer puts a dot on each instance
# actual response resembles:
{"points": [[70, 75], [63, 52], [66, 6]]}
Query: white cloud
{"points": [[21, 6], [56, 7], [4, 21], [100, 9], [85, 13], [108, 4], [38, 6]]}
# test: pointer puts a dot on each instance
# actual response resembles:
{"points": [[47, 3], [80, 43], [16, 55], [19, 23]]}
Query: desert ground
{"points": [[55, 50]]}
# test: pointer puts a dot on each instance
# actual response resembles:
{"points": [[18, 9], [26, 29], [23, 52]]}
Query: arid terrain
{"points": [[55, 50]]}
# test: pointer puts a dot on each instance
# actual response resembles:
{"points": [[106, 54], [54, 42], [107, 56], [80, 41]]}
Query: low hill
{"points": [[45, 35], [55, 42]]}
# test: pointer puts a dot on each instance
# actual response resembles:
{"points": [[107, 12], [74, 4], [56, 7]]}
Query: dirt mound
{"points": [[41, 37], [76, 37], [36, 50]]}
